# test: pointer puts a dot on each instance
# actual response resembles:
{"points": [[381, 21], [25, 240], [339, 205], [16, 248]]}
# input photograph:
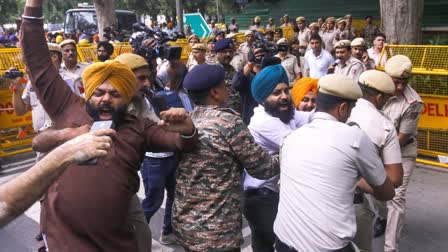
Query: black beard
{"points": [[117, 115], [284, 116], [103, 58]]}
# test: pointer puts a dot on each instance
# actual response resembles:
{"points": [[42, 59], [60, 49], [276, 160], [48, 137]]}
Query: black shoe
{"points": [[379, 228], [39, 237]]}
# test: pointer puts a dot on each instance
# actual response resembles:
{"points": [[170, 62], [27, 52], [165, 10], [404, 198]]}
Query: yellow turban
{"points": [[119, 75], [302, 87]]}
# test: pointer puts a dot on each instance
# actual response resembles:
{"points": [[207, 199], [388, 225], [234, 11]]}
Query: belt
{"points": [[411, 140], [259, 192], [358, 198], [282, 247]]}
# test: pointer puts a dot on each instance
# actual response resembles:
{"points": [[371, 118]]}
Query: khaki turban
{"points": [[119, 75], [302, 87]]}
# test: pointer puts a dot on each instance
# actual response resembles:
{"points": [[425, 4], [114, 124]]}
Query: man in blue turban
{"points": [[272, 120]]}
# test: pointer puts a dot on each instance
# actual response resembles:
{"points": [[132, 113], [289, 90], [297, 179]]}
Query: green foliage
{"points": [[10, 10]]}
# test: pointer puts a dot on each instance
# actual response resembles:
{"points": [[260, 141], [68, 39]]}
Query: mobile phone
{"points": [[159, 103], [98, 125]]}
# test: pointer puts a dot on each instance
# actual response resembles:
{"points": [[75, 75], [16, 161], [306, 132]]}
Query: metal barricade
{"points": [[430, 80]]}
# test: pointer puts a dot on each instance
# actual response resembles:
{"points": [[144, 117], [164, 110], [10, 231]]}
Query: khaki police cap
{"points": [[340, 21], [348, 16], [133, 61], [377, 80], [53, 47], [300, 19], [199, 47], [358, 42], [257, 19], [248, 33], [313, 25], [66, 42], [282, 41], [194, 36], [342, 44], [340, 86], [399, 66], [330, 20]]}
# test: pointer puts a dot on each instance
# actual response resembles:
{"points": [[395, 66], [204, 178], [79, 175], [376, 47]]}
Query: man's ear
{"points": [[213, 93]]}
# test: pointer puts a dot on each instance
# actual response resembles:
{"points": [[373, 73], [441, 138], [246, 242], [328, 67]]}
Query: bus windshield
{"points": [[86, 21]]}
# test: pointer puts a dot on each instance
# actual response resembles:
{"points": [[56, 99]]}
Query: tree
{"points": [[105, 14], [402, 20]]}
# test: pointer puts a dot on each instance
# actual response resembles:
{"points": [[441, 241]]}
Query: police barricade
{"points": [[430, 80], [15, 131]]}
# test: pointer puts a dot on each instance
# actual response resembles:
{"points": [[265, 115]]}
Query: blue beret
{"points": [[266, 80], [222, 44], [204, 77]]}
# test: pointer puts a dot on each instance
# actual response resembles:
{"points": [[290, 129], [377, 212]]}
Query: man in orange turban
{"points": [[304, 94]]}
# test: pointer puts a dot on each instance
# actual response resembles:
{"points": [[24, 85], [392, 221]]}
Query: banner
{"points": [[435, 113], [8, 118]]}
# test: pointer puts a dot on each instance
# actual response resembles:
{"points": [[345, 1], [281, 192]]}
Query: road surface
{"points": [[425, 228]]}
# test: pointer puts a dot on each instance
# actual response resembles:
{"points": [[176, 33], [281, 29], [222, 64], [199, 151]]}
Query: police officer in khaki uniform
{"points": [[71, 70], [346, 64], [289, 62], [329, 34], [241, 56], [359, 51], [192, 40], [377, 88], [404, 109], [198, 51]]}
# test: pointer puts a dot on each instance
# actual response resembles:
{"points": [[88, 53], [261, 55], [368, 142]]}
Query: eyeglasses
{"points": [[143, 77]]}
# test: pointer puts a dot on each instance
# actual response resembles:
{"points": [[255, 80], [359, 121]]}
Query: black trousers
{"points": [[260, 208], [282, 247]]}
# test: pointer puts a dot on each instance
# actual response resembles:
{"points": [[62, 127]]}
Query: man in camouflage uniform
{"points": [[225, 50], [369, 31], [207, 207]]}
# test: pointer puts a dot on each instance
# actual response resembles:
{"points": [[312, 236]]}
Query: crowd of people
{"points": [[301, 136]]}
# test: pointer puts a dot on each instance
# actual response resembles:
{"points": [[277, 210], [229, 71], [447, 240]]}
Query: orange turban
{"points": [[302, 87], [119, 75]]}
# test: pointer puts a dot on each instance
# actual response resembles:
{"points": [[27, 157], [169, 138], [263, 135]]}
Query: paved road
{"points": [[425, 229]]}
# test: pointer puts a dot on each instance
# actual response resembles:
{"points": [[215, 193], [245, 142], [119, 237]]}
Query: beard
{"points": [[284, 115], [103, 58], [117, 114]]}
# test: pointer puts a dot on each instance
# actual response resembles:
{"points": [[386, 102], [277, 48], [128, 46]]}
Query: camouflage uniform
{"points": [[368, 33], [207, 206], [234, 96], [210, 58]]}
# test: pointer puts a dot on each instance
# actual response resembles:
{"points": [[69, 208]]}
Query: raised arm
{"points": [[21, 192], [51, 89]]}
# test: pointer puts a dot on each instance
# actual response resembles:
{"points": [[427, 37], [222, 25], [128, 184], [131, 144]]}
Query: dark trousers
{"points": [[282, 247], [159, 174], [260, 208]]}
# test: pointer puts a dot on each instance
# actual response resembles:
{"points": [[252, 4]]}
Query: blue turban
{"points": [[204, 77], [266, 80]]}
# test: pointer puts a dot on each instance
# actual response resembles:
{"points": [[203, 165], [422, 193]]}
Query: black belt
{"points": [[282, 247], [358, 198], [259, 192]]}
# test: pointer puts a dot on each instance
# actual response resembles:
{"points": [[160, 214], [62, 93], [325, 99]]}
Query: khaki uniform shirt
{"points": [[379, 128], [352, 68], [256, 27], [404, 111], [289, 63], [39, 116], [328, 39], [191, 61], [73, 76], [304, 39]]}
